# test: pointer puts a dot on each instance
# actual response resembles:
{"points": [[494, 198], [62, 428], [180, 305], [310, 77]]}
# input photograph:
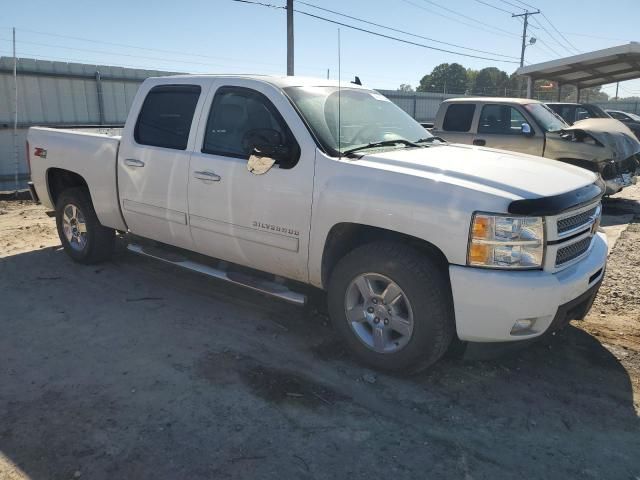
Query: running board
{"points": [[264, 286]]}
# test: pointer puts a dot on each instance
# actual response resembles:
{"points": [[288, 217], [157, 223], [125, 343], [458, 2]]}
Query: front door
{"points": [[257, 220], [153, 164], [500, 126]]}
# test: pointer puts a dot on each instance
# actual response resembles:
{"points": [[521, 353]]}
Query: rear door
{"points": [[153, 161], [457, 123], [500, 126], [257, 220]]}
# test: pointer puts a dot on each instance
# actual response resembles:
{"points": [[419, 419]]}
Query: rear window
{"points": [[459, 117], [166, 116]]}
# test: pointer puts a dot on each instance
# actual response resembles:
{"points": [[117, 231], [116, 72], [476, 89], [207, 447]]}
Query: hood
{"points": [[498, 172], [609, 132]]}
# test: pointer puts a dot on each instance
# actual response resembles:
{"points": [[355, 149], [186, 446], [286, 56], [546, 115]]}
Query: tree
{"points": [[446, 78], [471, 79], [491, 81], [405, 87]]}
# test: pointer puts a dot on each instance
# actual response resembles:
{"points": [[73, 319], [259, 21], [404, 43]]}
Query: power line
{"points": [[549, 48], [389, 37], [528, 5], [552, 37], [560, 33], [144, 57], [353, 27], [574, 34], [472, 25], [137, 47], [493, 6], [469, 18], [514, 5], [402, 31]]}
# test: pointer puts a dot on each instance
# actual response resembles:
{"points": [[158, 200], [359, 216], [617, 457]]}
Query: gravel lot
{"points": [[134, 369]]}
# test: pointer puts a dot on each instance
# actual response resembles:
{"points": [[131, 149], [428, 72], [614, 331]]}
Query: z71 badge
{"points": [[276, 228]]}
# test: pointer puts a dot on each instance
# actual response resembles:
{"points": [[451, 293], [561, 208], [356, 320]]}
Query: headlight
{"points": [[500, 241]]}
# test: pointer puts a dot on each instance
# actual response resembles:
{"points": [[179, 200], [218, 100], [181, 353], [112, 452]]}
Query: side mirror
{"points": [[265, 147], [526, 130]]}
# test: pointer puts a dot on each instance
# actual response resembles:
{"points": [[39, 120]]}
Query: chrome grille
{"points": [[573, 251], [576, 221]]}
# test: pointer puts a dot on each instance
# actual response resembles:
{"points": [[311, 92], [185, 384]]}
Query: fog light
{"points": [[523, 326]]}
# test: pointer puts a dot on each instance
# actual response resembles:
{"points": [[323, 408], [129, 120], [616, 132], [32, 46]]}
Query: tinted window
{"points": [[459, 117], [501, 119], [166, 116], [582, 114], [238, 118], [567, 112], [619, 116]]}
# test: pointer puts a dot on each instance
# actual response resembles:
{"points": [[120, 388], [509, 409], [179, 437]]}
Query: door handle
{"points": [[132, 162], [480, 142], [208, 176]]}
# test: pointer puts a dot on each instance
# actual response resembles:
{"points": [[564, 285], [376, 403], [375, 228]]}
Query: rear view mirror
{"points": [[526, 130]]}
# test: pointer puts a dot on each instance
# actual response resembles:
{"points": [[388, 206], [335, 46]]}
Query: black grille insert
{"points": [[576, 221], [573, 251]]}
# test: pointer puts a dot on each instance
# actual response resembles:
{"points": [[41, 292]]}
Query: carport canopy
{"points": [[591, 69]]}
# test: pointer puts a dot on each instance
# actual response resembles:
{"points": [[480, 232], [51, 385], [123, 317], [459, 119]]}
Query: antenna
{"points": [[339, 100]]}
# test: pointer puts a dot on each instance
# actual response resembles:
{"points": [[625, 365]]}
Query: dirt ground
{"points": [[134, 369]]}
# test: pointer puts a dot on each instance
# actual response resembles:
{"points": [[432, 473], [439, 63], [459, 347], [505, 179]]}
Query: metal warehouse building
{"points": [[59, 94]]}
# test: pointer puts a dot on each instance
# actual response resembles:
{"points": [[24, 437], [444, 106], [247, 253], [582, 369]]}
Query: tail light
{"points": [[28, 159]]}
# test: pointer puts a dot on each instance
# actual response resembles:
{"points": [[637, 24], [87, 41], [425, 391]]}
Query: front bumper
{"points": [[614, 185], [488, 303], [617, 176]]}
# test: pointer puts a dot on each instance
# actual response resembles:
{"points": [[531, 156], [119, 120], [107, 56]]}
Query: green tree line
{"points": [[453, 78]]}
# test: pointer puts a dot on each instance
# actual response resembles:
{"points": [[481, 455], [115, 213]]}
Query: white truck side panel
{"points": [[90, 155], [349, 191]]}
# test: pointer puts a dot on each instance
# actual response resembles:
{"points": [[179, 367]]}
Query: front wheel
{"points": [[392, 306], [82, 236]]}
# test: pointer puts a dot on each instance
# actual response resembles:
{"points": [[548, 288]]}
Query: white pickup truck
{"points": [[281, 183]]}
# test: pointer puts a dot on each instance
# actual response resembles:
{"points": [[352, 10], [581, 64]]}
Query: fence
{"points": [[422, 106], [59, 94], [631, 107]]}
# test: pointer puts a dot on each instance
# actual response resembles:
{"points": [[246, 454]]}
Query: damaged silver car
{"points": [[601, 145]]}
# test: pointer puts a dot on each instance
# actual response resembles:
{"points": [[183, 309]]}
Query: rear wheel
{"points": [[392, 305], [82, 236]]}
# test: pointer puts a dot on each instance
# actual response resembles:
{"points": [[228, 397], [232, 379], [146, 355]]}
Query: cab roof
{"points": [[277, 81], [519, 101]]}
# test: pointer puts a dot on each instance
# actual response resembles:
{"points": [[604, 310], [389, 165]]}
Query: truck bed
{"points": [[93, 156]]}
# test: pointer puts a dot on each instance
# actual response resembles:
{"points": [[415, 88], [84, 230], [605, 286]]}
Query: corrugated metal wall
{"points": [[60, 94], [422, 106]]}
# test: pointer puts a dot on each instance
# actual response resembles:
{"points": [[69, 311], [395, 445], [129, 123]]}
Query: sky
{"points": [[226, 36]]}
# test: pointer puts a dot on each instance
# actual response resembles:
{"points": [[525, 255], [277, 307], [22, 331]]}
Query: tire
{"points": [[424, 288], [96, 243]]}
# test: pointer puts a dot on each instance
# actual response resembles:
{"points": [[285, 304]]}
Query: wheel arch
{"points": [[60, 179], [346, 236]]}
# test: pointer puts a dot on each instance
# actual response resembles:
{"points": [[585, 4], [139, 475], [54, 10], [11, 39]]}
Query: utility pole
{"points": [[289, 37], [617, 87], [524, 31], [15, 113]]}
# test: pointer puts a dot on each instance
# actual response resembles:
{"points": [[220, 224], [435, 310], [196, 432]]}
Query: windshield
{"points": [[366, 117], [545, 117], [634, 117]]}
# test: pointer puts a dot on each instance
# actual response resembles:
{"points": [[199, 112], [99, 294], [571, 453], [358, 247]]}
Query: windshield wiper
{"points": [[384, 143], [431, 140]]}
